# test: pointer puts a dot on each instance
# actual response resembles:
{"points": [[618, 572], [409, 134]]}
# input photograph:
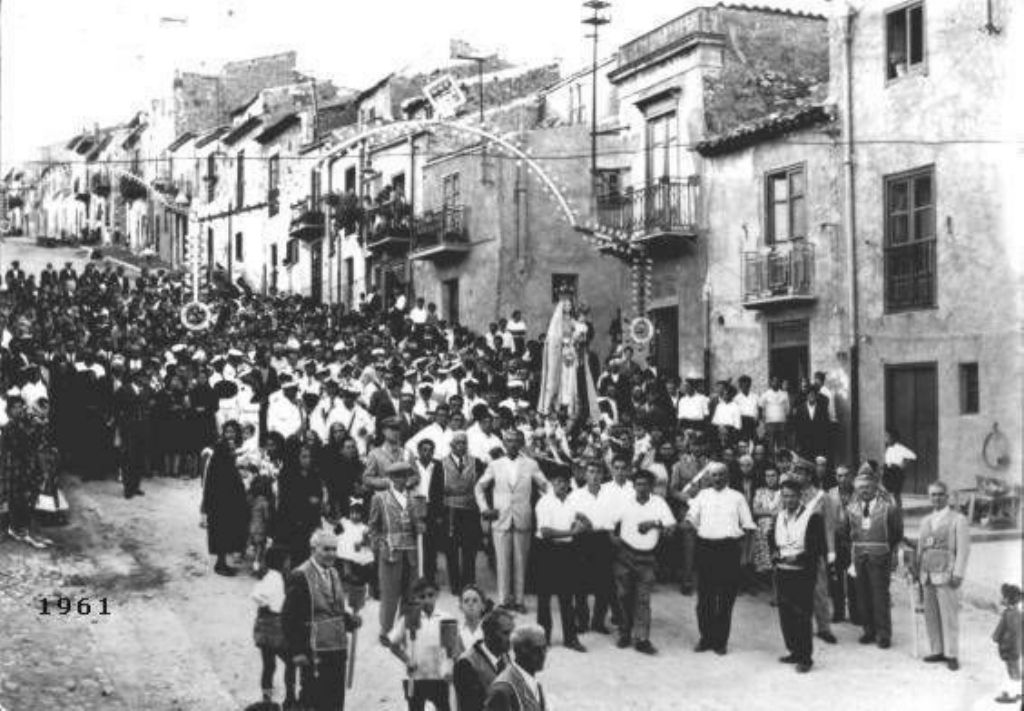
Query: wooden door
{"points": [[911, 407], [665, 344]]}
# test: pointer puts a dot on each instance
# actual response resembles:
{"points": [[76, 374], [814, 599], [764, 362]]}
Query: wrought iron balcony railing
{"points": [[668, 207], [307, 222], [440, 232], [783, 275]]}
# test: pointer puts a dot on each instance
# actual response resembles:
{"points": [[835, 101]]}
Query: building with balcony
{"points": [[938, 266], [698, 76]]}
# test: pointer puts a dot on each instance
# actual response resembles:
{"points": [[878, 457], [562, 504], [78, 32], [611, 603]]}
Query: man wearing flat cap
{"points": [[874, 528], [393, 532]]}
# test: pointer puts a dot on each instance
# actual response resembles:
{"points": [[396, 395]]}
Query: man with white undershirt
{"points": [[639, 524], [693, 408], [775, 404], [594, 550], [722, 519]]}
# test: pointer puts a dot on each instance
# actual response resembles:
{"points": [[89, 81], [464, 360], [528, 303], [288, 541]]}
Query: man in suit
{"points": [[811, 423], [386, 402], [943, 546], [462, 518], [132, 413], [512, 477], [797, 543], [480, 664], [430, 486], [316, 623], [48, 277], [517, 688], [15, 276], [874, 528], [68, 275]]}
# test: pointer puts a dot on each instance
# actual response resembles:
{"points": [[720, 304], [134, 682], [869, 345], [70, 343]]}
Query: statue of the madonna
{"points": [[566, 380]]}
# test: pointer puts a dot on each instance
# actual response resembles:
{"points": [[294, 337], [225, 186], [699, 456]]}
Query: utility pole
{"points": [[595, 20]]}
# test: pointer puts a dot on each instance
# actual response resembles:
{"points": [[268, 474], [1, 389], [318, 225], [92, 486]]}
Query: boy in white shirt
{"points": [[419, 638]]}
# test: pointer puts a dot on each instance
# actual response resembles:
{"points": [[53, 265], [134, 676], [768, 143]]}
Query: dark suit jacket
{"points": [[381, 406], [509, 692], [815, 546], [472, 678], [812, 433]]}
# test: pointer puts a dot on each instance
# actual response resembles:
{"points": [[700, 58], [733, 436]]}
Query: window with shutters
{"points": [[273, 181], [910, 243], [969, 398]]}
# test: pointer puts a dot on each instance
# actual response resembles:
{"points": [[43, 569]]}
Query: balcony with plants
{"points": [[307, 222]]}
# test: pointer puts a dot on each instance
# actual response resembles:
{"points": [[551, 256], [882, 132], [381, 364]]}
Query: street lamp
{"points": [[595, 20]]}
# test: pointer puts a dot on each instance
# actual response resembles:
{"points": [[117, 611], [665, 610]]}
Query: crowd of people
{"points": [[381, 450]]}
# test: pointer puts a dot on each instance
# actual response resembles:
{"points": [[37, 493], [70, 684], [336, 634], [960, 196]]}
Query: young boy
{"points": [[1007, 636], [416, 639]]}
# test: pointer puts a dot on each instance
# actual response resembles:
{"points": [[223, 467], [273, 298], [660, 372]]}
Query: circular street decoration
{"points": [[196, 316], [641, 330]]}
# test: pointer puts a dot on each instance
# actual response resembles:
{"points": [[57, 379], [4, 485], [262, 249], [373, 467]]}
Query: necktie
{"points": [[867, 509], [540, 697]]}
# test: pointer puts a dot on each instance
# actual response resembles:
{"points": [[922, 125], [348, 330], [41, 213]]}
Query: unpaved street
{"points": [[179, 637]]}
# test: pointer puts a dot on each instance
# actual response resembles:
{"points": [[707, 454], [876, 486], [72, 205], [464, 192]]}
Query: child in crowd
{"points": [[248, 455], [261, 507], [355, 554], [417, 639], [268, 633], [1007, 636], [473, 605]]}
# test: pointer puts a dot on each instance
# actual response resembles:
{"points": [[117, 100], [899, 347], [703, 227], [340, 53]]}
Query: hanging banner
{"points": [[445, 96]]}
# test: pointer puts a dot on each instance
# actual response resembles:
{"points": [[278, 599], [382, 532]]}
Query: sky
{"points": [[67, 64]]}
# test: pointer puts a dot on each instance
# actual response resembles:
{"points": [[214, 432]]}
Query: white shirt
{"points": [[614, 497], [556, 513], [720, 514], [727, 414], [480, 444], [692, 407], [33, 392], [776, 405], [896, 455], [269, 591], [431, 659], [283, 416], [823, 390], [426, 472], [633, 513], [791, 531], [470, 637], [418, 315], [353, 535], [591, 506], [441, 438], [747, 404]]}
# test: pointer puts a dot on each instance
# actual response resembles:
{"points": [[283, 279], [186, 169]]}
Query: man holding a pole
{"points": [[393, 532], [316, 625]]}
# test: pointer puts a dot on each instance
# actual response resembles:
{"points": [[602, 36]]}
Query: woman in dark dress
{"points": [[342, 471], [301, 500], [203, 402], [224, 501], [172, 429]]}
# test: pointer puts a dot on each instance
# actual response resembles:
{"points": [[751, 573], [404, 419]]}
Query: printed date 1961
{"points": [[80, 606]]}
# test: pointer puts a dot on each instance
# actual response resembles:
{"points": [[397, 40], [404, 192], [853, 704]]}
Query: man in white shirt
{"points": [[775, 403], [512, 478], [722, 519], [819, 379], [482, 440], [556, 557], [692, 410], [357, 421], [639, 525], [727, 412], [421, 648], [619, 491], [747, 403], [418, 314], [437, 431], [595, 552], [284, 415]]}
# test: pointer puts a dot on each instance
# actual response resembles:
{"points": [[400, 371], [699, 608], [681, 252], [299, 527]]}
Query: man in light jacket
{"points": [[942, 549]]}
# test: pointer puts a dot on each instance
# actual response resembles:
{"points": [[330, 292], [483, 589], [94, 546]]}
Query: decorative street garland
{"points": [[196, 316]]}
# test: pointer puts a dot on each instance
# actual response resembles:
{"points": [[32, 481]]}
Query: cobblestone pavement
{"points": [[179, 637]]}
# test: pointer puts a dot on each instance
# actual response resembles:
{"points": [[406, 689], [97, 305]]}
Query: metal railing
{"points": [[910, 276], [389, 219], [307, 223], [444, 226], [784, 271], [699, 21], [665, 206]]}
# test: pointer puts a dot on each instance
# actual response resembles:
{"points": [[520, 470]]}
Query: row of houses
{"points": [[779, 191]]}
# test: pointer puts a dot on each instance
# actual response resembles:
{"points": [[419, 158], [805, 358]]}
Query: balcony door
{"points": [[316, 265], [661, 154], [450, 300], [665, 346], [789, 356]]}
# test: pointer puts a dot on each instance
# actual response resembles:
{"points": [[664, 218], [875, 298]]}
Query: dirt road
{"points": [[179, 637]]}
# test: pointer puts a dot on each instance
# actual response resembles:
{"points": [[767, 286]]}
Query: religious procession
{"points": [[511, 382]]}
